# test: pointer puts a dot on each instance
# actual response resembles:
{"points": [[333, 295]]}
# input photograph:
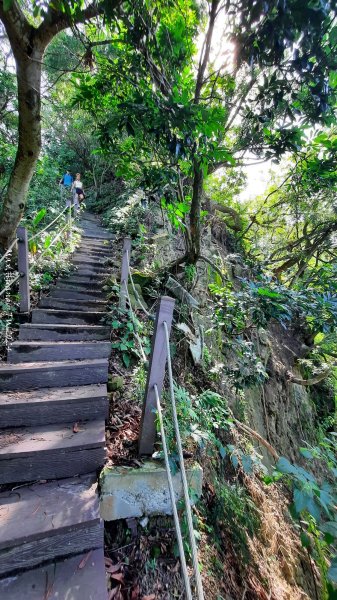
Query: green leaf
{"points": [[7, 4], [300, 500], [126, 359], [40, 215], [332, 572], [330, 527], [247, 463]]}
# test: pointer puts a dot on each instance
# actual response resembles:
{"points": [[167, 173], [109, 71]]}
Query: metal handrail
{"points": [[51, 244], [47, 226], [10, 284]]}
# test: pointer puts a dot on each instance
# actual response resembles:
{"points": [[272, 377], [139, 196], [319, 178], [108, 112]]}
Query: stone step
{"points": [[73, 304], [55, 351], [70, 333], [51, 451], [80, 577], [46, 521], [53, 405], [71, 317], [27, 376]]}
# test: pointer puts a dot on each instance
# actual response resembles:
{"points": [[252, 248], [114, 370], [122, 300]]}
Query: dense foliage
{"points": [[175, 102]]}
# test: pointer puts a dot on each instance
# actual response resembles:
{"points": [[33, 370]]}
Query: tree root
{"points": [[258, 437]]}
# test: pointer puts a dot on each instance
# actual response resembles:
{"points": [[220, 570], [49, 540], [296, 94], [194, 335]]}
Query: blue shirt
{"points": [[67, 179]]}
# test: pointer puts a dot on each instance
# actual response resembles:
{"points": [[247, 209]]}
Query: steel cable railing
{"points": [[173, 500], [8, 251], [194, 550], [9, 285], [25, 269], [38, 233], [183, 471]]}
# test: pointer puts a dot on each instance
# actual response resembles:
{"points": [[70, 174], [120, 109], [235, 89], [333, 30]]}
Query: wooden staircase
{"points": [[53, 405]]}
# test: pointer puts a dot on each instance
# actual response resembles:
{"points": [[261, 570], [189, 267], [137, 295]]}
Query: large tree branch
{"points": [[312, 380], [17, 27], [206, 49], [56, 21]]}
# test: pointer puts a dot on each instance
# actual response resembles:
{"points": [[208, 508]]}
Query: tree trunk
{"points": [[195, 224], [29, 142]]}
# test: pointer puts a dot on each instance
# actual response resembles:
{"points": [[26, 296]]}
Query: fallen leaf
{"points": [[135, 593], [113, 568], [75, 428], [84, 560], [118, 577]]}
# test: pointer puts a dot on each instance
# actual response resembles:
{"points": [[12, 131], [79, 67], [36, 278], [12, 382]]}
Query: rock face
{"points": [[127, 492]]}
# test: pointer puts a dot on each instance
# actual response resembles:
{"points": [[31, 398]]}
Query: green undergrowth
{"points": [[228, 515]]}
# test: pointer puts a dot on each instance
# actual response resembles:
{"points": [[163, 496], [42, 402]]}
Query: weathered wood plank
{"points": [[75, 294], [23, 268], [56, 351], [81, 577], [85, 286], [125, 272], [72, 304], [51, 515], [155, 375], [51, 452], [72, 317], [29, 331], [24, 376], [46, 508], [53, 405]]}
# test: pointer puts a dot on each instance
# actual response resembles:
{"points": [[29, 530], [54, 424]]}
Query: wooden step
{"points": [[55, 351], [73, 304], [75, 293], [86, 280], [89, 261], [48, 520], [74, 284], [93, 254], [93, 235], [91, 270], [80, 577], [71, 317], [51, 451], [28, 331], [53, 405], [27, 376]]}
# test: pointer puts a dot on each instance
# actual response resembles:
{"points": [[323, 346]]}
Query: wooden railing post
{"points": [[23, 268], [156, 374], [124, 273]]}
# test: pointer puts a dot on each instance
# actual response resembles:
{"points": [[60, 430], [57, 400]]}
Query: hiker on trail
{"points": [[78, 192], [67, 180]]}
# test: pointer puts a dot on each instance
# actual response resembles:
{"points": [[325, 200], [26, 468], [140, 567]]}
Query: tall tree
{"points": [[253, 99], [29, 32]]}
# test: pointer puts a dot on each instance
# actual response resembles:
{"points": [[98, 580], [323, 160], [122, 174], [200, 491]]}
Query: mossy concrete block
{"points": [[127, 492], [115, 383]]}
